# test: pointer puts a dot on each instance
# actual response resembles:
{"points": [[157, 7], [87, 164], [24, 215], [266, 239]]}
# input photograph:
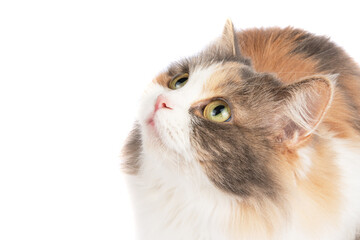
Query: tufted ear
{"points": [[225, 47], [302, 106], [229, 40]]}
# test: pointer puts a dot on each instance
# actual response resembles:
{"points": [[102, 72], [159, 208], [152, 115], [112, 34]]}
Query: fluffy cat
{"points": [[256, 137]]}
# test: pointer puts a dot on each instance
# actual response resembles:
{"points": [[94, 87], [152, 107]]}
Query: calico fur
{"points": [[286, 165]]}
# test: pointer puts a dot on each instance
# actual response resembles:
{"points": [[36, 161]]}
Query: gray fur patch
{"points": [[131, 151]]}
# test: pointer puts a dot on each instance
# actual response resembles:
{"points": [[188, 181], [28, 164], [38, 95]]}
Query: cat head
{"points": [[239, 126]]}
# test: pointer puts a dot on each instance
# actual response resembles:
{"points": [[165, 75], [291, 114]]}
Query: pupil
{"points": [[217, 110], [180, 82]]}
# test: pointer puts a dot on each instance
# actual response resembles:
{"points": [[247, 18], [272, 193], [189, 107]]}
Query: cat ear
{"points": [[227, 44], [229, 39], [225, 47], [302, 107]]}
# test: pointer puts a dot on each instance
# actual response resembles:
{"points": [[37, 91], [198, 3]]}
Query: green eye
{"points": [[179, 81], [217, 111]]}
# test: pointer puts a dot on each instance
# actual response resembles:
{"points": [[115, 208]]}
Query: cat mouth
{"points": [[151, 122], [154, 126]]}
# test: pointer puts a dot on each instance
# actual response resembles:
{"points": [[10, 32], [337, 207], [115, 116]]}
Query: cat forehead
{"points": [[209, 80]]}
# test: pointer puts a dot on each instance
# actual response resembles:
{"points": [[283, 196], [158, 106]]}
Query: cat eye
{"points": [[178, 81], [217, 111]]}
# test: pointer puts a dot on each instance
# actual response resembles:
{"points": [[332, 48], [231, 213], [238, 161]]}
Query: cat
{"points": [[256, 137]]}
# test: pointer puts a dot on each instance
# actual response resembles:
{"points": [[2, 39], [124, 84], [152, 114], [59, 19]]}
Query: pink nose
{"points": [[162, 102]]}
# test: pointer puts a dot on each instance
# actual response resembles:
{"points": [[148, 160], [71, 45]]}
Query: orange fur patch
{"points": [[162, 79], [269, 50]]}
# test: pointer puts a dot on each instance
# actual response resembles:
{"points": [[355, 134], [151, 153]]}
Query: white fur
{"points": [[305, 162], [349, 164], [174, 200], [184, 205]]}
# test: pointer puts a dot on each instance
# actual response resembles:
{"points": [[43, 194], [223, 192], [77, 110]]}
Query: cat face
{"points": [[215, 111], [231, 142], [165, 111]]}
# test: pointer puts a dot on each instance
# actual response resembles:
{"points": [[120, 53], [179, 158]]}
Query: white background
{"points": [[71, 74]]}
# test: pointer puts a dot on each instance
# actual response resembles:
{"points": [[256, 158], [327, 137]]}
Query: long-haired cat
{"points": [[256, 137]]}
